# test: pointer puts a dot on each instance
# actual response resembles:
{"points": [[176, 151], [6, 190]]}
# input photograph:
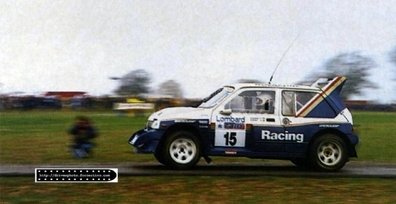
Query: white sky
{"points": [[77, 45]]}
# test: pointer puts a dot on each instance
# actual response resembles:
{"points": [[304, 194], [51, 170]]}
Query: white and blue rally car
{"points": [[308, 125]]}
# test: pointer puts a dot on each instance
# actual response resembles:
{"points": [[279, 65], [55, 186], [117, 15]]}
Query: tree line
{"points": [[356, 66], [137, 82]]}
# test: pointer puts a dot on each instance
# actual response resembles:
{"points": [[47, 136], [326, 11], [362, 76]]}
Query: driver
{"points": [[264, 102]]}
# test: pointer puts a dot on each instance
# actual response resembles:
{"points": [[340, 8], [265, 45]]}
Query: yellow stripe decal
{"points": [[327, 90]]}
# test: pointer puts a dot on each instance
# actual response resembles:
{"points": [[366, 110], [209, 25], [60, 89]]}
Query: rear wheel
{"points": [[181, 150], [328, 153]]}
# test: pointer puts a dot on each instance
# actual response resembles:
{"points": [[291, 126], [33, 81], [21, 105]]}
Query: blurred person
{"points": [[83, 133]]}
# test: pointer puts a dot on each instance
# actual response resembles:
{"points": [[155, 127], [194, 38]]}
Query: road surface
{"points": [[354, 170]]}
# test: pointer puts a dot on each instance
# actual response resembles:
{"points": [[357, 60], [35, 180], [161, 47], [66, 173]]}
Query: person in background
{"points": [[83, 134]]}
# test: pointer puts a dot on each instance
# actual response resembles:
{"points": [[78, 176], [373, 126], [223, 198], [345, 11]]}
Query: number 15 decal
{"points": [[227, 138], [230, 138]]}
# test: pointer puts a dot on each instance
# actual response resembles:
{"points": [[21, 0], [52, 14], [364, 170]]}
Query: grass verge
{"points": [[181, 189], [39, 137]]}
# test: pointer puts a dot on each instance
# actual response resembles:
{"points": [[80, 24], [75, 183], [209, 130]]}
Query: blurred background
{"points": [[94, 54], [134, 95]]}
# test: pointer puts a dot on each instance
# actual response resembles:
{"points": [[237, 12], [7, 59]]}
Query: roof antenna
{"points": [[280, 60]]}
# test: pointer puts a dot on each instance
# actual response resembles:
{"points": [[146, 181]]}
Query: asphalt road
{"points": [[351, 170]]}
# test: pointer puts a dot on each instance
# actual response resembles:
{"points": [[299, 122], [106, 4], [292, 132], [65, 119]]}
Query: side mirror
{"points": [[226, 112]]}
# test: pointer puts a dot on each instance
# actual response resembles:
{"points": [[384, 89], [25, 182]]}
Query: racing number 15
{"points": [[230, 138]]}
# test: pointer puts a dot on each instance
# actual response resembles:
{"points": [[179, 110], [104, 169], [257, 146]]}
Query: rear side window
{"points": [[293, 101]]}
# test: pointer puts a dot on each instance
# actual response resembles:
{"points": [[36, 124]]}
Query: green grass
{"points": [[377, 131], [39, 137], [35, 137], [202, 189]]}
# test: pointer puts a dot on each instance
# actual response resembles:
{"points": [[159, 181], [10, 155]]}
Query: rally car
{"points": [[308, 125]]}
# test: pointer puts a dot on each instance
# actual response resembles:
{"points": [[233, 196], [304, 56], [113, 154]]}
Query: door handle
{"points": [[270, 120]]}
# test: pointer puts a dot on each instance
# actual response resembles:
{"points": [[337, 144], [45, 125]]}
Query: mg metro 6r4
{"points": [[308, 125]]}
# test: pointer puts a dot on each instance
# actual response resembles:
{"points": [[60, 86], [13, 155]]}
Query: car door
{"points": [[240, 121], [300, 129]]}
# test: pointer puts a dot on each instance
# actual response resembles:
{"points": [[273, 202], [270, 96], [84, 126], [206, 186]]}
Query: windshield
{"points": [[217, 96]]}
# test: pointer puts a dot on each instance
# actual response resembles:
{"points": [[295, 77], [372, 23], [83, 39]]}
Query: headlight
{"points": [[154, 124]]}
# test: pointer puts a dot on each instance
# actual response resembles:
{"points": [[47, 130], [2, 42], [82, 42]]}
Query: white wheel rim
{"points": [[329, 153], [182, 150]]}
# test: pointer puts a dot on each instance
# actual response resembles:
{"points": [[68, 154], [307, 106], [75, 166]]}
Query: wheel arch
{"points": [[179, 127], [336, 132]]}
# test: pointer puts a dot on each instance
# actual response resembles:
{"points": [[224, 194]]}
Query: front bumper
{"points": [[145, 140]]}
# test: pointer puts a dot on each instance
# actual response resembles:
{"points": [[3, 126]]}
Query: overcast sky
{"points": [[77, 45]]}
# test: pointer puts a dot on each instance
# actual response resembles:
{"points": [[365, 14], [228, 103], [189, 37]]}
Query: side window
{"points": [[288, 101], [293, 101], [253, 102]]}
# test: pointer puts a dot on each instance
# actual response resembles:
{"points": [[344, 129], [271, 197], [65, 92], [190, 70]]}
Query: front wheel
{"points": [[181, 150], [328, 153]]}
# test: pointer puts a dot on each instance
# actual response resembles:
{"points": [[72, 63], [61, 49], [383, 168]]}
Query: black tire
{"points": [[181, 150], [158, 154], [328, 153]]}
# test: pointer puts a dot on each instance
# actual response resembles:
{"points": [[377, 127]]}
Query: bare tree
{"points": [[171, 88], [355, 66], [134, 83]]}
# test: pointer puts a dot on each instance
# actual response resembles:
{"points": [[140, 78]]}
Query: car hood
{"points": [[181, 113]]}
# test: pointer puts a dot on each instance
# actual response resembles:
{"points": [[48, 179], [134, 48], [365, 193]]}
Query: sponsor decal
{"points": [[230, 152], [328, 126], [184, 121], [238, 126], [267, 135], [203, 121], [257, 119], [230, 132], [230, 119]]}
